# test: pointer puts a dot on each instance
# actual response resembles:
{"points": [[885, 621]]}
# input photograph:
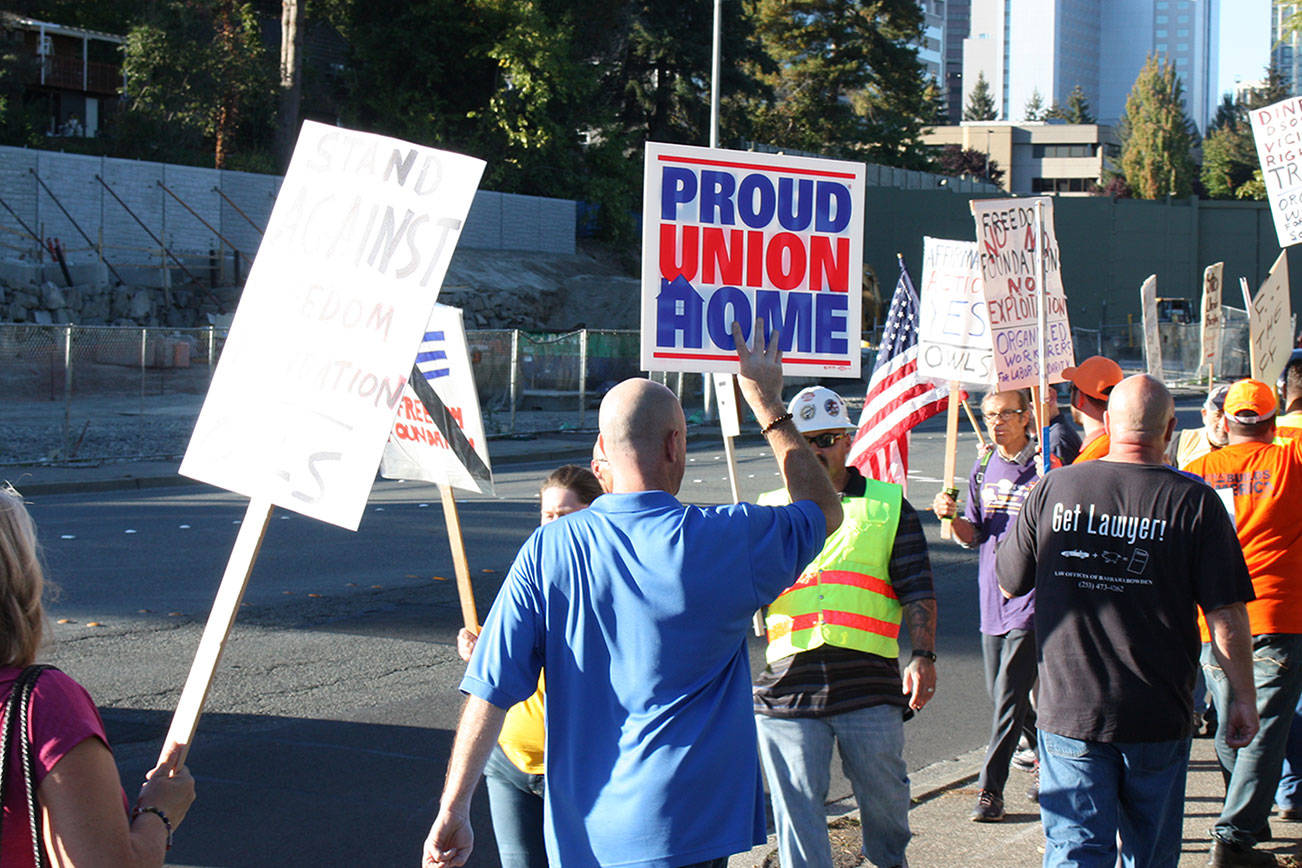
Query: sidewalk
{"points": [[944, 836]]}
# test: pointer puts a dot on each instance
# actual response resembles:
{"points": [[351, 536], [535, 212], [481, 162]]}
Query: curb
{"points": [[560, 452]]}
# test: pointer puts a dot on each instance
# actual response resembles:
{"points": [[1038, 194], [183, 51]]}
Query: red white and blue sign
{"points": [[734, 236]]}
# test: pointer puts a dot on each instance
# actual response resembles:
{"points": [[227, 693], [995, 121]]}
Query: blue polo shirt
{"points": [[638, 607]]}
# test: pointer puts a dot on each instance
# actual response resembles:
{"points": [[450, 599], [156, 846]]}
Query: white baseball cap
{"points": [[818, 408]]}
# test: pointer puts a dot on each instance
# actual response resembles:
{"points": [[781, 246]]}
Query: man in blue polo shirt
{"points": [[638, 608]]}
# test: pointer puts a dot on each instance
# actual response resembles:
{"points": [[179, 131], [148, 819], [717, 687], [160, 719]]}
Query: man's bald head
{"points": [[1140, 412], [637, 419]]}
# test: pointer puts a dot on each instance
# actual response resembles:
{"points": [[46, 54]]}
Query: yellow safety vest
{"points": [[844, 597]]}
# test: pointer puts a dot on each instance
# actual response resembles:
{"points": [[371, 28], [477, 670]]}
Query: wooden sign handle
{"points": [[465, 592], [220, 621], [951, 453], [976, 426]]}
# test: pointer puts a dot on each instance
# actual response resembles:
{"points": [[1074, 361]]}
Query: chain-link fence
{"points": [[95, 393], [1181, 346]]}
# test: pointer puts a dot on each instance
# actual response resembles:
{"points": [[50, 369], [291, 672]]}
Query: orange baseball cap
{"points": [[1250, 401], [1095, 376]]}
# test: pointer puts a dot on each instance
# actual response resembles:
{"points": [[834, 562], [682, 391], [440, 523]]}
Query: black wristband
{"points": [[785, 417], [930, 655], [157, 812]]}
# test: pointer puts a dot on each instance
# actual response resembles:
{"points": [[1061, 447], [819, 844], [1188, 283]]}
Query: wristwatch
{"points": [[930, 655]]}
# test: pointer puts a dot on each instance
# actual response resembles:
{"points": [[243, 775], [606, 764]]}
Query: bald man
{"points": [[1121, 552], [638, 607]]}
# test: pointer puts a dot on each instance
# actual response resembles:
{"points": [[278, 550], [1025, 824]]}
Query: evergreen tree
{"points": [[1157, 137], [846, 80], [1230, 162], [980, 102], [1034, 110], [1078, 107]]}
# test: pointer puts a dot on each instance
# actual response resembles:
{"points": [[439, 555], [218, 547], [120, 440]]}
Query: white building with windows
{"points": [[1022, 46], [1038, 157]]}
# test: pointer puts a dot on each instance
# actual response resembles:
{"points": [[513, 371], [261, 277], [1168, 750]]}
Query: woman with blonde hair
{"points": [[83, 813]]}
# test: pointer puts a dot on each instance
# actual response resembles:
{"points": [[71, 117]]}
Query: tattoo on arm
{"points": [[921, 618]]}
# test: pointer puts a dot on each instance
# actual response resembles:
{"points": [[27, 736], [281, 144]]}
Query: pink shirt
{"points": [[61, 717]]}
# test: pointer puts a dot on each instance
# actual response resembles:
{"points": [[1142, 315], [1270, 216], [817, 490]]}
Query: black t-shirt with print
{"points": [[1120, 555]]}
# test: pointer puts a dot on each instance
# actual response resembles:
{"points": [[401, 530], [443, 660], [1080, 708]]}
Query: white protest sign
{"points": [[1006, 239], [733, 235], [1212, 317], [1275, 129], [1152, 337], [335, 305], [418, 447], [1270, 324], [953, 332]]}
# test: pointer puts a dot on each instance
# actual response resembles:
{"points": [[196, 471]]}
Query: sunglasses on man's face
{"points": [[824, 441]]}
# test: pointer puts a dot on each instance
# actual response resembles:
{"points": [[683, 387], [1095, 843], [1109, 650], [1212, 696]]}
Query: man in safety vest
{"points": [[833, 668]]}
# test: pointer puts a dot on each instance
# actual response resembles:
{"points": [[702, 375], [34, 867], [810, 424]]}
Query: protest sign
{"points": [[1270, 323], [734, 236], [1277, 130], [450, 450], [1212, 317], [1006, 238], [334, 307], [1152, 338], [953, 333]]}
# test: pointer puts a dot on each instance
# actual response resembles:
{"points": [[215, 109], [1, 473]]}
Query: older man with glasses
{"points": [[833, 672], [1000, 480]]}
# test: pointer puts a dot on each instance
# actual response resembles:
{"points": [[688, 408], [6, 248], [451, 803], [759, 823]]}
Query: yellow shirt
{"points": [[523, 734]]}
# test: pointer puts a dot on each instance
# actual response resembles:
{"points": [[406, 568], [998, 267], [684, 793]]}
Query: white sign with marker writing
{"points": [[329, 321], [1212, 316], [1270, 323], [1152, 337], [954, 330], [1275, 129]]}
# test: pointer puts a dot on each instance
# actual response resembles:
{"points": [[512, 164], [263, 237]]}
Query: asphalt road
{"points": [[330, 720]]}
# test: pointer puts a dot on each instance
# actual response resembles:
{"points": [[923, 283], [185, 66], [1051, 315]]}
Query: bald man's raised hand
{"points": [[760, 374]]}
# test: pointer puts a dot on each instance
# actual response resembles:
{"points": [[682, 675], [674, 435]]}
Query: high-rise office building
{"points": [[1286, 46], [958, 13], [1025, 46]]}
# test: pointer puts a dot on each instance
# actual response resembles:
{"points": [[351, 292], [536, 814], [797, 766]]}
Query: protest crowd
{"points": [[1136, 584]]}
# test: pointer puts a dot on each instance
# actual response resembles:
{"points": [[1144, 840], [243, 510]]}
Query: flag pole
{"points": [[1042, 296]]}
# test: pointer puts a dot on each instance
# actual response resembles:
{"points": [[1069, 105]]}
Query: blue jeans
{"points": [[1090, 791], [1252, 772], [515, 801], [1289, 793], [797, 757]]}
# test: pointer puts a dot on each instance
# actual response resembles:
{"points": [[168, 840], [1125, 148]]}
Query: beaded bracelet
{"points": [[158, 812], [785, 417]]}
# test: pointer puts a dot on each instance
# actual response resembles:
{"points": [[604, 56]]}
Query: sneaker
{"points": [[1289, 813], [1225, 855], [1024, 759], [989, 808]]}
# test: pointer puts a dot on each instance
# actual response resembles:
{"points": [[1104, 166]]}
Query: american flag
{"points": [[897, 397], [430, 353]]}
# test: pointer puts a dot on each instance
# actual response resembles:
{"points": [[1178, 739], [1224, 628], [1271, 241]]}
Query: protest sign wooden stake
{"points": [[1042, 319], [981, 437], [465, 592], [951, 455], [218, 628]]}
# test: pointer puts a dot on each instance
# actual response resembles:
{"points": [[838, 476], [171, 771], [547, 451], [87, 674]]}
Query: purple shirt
{"points": [[992, 512]]}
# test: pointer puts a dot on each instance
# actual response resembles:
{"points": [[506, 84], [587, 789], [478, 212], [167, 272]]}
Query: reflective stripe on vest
{"points": [[844, 597]]}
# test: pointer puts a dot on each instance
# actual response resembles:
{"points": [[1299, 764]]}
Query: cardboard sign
{"points": [[1212, 317], [734, 236], [1152, 338], [725, 396], [1270, 324], [322, 344], [1276, 130], [419, 447], [953, 332], [1006, 238]]}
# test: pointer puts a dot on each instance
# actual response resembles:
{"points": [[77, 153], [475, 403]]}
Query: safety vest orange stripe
{"points": [[842, 619]]}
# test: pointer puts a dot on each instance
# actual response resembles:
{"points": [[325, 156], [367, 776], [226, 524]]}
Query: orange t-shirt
{"points": [[1095, 449], [1266, 480]]}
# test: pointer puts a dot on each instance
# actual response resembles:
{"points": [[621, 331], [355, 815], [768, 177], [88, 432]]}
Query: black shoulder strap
{"points": [[981, 471], [16, 710]]}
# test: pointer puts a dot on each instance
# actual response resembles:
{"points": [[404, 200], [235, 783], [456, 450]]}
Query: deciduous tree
{"points": [[1157, 137]]}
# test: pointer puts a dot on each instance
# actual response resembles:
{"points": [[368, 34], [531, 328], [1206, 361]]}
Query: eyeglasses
{"points": [[825, 440], [1002, 416]]}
